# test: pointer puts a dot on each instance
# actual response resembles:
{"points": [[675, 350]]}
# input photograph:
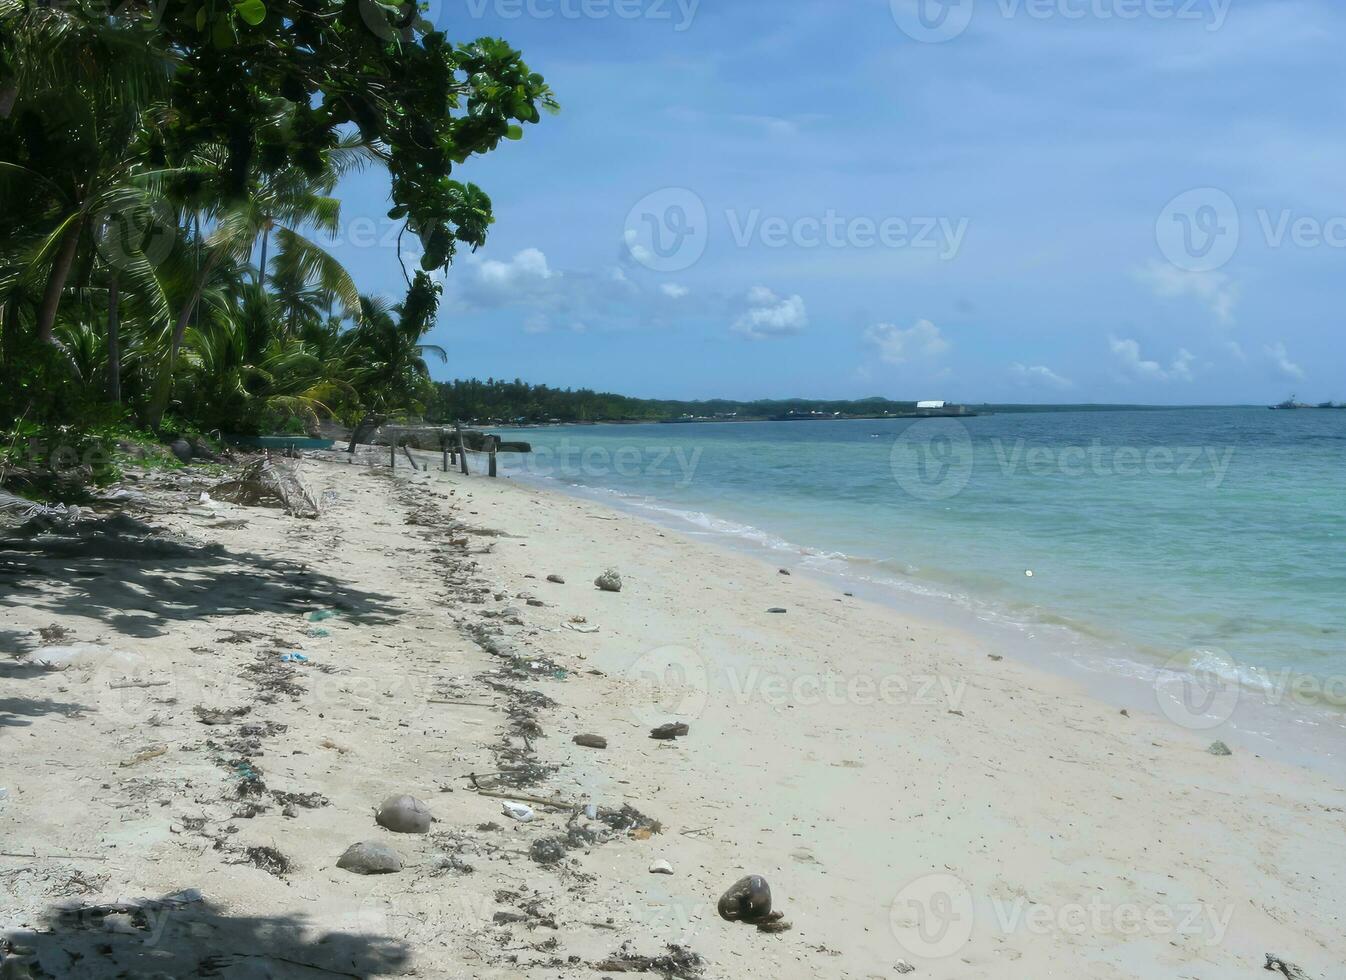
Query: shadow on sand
{"points": [[137, 578], [181, 937]]}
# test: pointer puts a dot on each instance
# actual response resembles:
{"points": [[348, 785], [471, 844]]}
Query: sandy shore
{"points": [[908, 795]]}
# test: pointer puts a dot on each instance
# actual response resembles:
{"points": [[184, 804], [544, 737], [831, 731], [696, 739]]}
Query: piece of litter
{"points": [[318, 615], [293, 658], [517, 811], [580, 627], [661, 867], [1028, 572]]}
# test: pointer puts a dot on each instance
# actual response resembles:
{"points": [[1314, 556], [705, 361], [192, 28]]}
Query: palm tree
{"points": [[387, 358], [71, 141], [285, 202]]}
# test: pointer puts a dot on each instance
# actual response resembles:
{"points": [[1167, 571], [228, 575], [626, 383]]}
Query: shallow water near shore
{"points": [[1163, 545]]}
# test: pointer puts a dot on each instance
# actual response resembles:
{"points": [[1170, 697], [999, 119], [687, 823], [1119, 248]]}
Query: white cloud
{"points": [[491, 283], [1127, 352], [1235, 349], [1281, 357], [1040, 374], [672, 290], [769, 315], [530, 264], [1215, 290], [896, 346]]}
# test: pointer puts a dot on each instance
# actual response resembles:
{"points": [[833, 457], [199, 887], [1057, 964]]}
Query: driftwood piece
{"points": [[267, 483], [524, 798]]}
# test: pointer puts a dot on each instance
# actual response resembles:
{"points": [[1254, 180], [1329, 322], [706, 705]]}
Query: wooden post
{"points": [[444, 447], [392, 454], [492, 442], [410, 458], [462, 450]]}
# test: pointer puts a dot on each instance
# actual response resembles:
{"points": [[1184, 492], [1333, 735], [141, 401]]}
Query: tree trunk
{"points": [[261, 266], [163, 388], [114, 348], [60, 271]]}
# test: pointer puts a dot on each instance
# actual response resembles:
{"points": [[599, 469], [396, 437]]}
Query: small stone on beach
{"points": [[609, 581], [1219, 748], [370, 858], [591, 741], [672, 730], [776, 609], [556, 579], [747, 900], [661, 867], [403, 815]]}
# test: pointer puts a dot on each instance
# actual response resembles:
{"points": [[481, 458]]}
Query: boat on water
{"points": [[1290, 403]]}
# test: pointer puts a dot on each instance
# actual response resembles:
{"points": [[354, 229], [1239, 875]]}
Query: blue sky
{"points": [[981, 200]]}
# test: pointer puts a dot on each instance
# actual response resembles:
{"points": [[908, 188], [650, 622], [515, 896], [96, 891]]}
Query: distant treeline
{"points": [[518, 401]]}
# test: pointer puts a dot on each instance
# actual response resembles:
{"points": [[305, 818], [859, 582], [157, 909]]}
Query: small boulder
{"points": [[370, 858], [1219, 748], [776, 609], [591, 741], [747, 900], [182, 449], [661, 867], [403, 815], [556, 579], [609, 581]]}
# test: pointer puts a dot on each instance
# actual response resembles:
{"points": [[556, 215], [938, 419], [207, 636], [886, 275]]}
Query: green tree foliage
{"points": [[151, 152], [516, 401]]}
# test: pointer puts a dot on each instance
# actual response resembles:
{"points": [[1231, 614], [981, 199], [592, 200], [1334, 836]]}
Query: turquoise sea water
{"points": [[1216, 536]]}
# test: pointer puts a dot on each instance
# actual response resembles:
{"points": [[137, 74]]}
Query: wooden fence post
{"points": [[444, 448], [392, 454], [462, 450], [492, 443]]}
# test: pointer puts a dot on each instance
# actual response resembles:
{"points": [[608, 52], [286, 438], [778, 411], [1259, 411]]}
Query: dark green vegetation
{"points": [[162, 167], [516, 401]]}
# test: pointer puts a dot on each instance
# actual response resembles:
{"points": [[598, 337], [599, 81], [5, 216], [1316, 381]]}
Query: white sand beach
{"points": [[909, 797]]}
